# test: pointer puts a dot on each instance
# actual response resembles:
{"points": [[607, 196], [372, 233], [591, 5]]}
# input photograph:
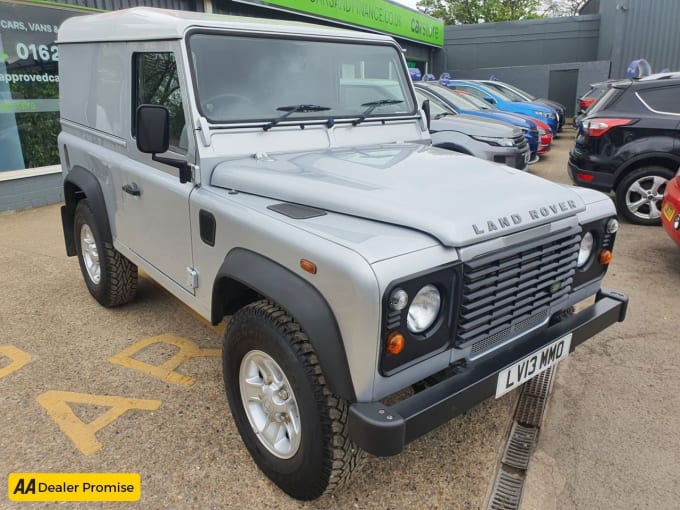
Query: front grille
{"points": [[520, 142], [513, 291]]}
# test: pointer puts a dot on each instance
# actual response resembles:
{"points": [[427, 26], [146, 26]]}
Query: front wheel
{"points": [[110, 277], [640, 193], [294, 428]]}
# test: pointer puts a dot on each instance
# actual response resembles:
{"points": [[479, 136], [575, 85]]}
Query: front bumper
{"points": [[385, 430]]}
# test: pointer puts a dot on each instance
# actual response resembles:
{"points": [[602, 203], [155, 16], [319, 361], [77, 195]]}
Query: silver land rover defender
{"points": [[263, 170]]}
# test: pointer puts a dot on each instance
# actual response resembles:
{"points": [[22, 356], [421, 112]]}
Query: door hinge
{"points": [[192, 278]]}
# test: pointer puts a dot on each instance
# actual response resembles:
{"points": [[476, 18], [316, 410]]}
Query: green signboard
{"points": [[375, 14]]}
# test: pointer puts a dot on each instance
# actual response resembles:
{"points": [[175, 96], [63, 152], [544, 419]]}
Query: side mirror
{"points": [[426, 109], [153, 137], [153, 129], [489, 100]]}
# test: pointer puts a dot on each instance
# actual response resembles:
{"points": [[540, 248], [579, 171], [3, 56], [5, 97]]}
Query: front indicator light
{"points": [[605, 257], [395, 343]]}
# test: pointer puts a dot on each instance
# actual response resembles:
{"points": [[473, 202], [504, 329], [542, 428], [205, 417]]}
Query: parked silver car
{"points": [[482, 138]]}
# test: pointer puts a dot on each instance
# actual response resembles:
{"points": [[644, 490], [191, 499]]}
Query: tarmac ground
{"points": [[139, 389]]}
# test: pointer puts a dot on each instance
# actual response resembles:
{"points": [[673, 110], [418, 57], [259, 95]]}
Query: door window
{"points": [[156, 82]]}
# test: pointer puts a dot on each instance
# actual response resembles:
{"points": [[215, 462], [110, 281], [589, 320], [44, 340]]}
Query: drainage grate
{"points": [[506, 492], [507, 489], [531, 403], [520, 446]]}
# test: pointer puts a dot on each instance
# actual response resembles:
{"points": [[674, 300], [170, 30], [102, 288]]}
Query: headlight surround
{"points": [[424, 309], [585, 249], [604, 235], [497, 142], [426, 322]]}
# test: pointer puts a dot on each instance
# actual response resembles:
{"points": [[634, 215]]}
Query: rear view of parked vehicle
{"points": [[585, 101], [629, 143]]}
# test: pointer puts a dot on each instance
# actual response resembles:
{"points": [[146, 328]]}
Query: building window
{"points": [[29, 84]]}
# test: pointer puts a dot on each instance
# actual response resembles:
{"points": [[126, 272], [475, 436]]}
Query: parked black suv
{"points": [[629, 143]]}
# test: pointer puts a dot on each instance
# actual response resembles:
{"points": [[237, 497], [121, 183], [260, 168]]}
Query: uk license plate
{"points": [[532, 365], [668, 211]]}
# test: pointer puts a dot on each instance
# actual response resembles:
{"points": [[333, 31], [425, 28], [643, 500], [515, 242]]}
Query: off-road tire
{"points": [[649, 214], [326, 457], [118, 276]]}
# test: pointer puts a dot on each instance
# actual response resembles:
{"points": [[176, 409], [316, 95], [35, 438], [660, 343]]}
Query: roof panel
{"points": [[147, 23]]}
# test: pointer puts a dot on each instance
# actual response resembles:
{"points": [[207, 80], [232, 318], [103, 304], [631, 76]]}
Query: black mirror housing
{"points": [[426, 109], [153, 129]]}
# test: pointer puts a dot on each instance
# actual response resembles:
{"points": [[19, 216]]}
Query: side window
{"points": [[664, 99], [156, 82]]}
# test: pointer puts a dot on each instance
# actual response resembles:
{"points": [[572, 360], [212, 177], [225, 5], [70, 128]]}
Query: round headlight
{"points": [[424, 309], [585, 249], [398, 299]]}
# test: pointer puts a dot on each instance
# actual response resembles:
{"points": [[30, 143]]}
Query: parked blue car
{"points": [[461, 105], [502, 102]]}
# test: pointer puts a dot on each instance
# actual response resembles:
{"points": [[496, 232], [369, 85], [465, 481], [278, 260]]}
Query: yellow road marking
{"points": [[83, 434], [166, 371], [19, 359]]}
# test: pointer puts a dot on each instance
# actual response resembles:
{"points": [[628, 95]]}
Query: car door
{"points": [[153, 219]]}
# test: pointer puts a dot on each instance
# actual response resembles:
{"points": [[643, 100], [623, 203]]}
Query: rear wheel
{"points": [[294, 428], [110, 277], [640, 193]]}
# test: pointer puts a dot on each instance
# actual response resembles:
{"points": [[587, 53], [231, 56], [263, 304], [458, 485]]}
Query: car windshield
{"points": [[506, 91], [274, 80], [480, 104], [454, 99]]}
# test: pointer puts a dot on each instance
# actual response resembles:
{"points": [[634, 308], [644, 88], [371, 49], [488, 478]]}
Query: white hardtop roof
{"points": [[148, 23]]}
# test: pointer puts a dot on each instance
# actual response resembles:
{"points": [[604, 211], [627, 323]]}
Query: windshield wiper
{"points": [[298, 108], [372, 106], [443, 114]]}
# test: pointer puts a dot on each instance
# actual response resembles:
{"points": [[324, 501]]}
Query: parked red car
{"points": [[545, 136], [670, 208]]}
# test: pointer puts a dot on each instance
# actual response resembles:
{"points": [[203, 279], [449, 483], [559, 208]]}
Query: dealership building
{"points": [[30, 175], [551, 57]]}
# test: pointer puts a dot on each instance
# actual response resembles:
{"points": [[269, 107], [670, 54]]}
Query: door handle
{"points": [[132, 189]]}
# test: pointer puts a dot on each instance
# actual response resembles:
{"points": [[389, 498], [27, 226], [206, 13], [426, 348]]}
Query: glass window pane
{"points": [[260, 79], [157, 83]]}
